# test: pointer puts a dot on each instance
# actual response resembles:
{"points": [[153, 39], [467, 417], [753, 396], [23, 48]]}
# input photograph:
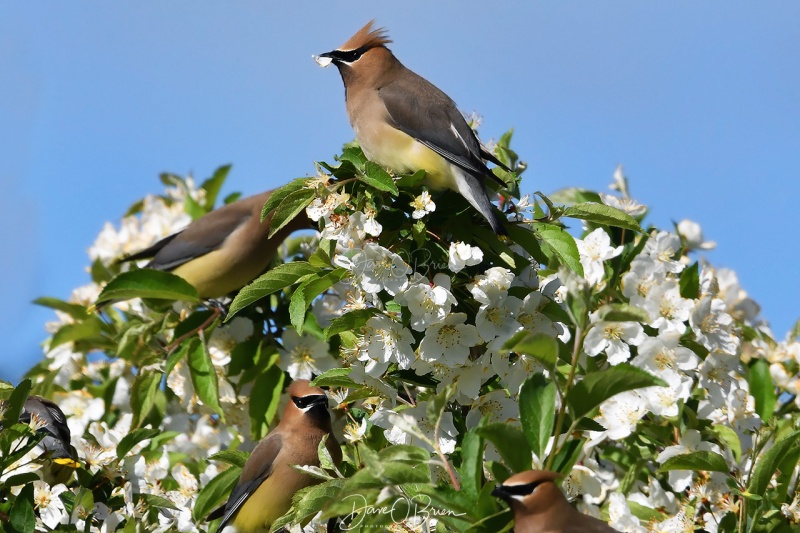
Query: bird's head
{"points": [[307, 403], [363, 55], [534, 491]]}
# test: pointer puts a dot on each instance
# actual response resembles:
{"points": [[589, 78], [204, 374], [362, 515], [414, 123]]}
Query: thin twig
{"points": [[177, 342], [438, 448]]}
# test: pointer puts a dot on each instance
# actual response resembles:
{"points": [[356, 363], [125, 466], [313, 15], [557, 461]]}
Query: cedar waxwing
{"points": [[404, 122], [268, 481], [49, 419], [223, 250], [540, 507]]}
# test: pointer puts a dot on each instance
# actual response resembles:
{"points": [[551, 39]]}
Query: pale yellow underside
{"points": [[268, 503], [216, 274], [404, 154]]}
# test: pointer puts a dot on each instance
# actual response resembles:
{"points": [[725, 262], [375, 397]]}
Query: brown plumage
{"points": [[404, 122], [224, 250], [268, 481], [539, 506]]}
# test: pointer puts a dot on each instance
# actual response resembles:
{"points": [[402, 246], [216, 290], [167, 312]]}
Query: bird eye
{"points": [[301, 403]]}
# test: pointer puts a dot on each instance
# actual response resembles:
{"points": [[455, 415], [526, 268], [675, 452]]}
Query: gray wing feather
{"points": [[253, 475], [419, 109]]}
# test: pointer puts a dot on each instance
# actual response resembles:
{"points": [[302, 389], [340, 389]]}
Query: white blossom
{"points": [[614, 339], [377, 269], [462, 255], [693, 236], [422, 205], [491, 285], [46, 500], [594, 250], [449, 340], [304, 357]]}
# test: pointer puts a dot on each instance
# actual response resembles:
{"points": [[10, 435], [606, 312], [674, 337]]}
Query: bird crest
{"points": [[366, 37]]}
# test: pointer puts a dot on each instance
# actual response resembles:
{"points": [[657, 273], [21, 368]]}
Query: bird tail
{"points": [[474, 191]]}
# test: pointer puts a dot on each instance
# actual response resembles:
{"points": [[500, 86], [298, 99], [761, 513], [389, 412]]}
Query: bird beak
{"points": [[499, 492], [323, 60]]}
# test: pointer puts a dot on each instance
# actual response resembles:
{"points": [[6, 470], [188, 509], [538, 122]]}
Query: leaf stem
{"points": [[562, 410], [445, 462]]}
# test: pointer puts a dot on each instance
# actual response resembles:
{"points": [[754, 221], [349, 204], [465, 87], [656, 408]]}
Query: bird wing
{"points": [[253, 475], [419, 109], [202, 236], [57, 435], [588, 524]]}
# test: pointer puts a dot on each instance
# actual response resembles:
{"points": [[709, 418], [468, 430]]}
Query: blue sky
{"points": [[699, 102]]}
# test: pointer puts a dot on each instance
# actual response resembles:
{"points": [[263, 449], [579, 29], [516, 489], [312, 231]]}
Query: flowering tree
{"points": [[455, 358]]}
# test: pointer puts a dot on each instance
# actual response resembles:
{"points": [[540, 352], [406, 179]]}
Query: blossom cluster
{"points": [[445, 332]]}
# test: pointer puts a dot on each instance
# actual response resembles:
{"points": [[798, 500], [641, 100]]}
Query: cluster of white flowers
{"points": [[453, 322]]}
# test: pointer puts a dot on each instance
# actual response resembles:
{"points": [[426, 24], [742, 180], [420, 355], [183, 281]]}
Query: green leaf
{"points": [[568, 456], [527, 239], [646, 514], [511, 444], [14, 404], [265, 398], [622, 313], [22, 517], [766, 465], [321, 258], [276, 279], [215, 493], [76, 311], [143, 392], [148, 283], [604, 215], [404, 453], [574, 195], [596, 387], [763, 389], [278, 195], [408, 181], [729, 439], [794, 334], [213, 185], [78, 331], [335, 377], [690, 282], [703, 460], [537, 408], [133, 438], [309, 501], [290, 207], [471, 463], [204, 376], [563, 246], [538, 345], [375, 176], [352, 321], [154, 501], [231, 457], [310, 289]]}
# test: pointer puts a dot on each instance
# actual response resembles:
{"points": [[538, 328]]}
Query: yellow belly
{"points": [[267, 504], [402, 153], [215, 274]]}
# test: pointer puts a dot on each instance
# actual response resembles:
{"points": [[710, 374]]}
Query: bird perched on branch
{"points": [[540, 507], [223, 250], [404, 122], [60, 457], [268, 481]]}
